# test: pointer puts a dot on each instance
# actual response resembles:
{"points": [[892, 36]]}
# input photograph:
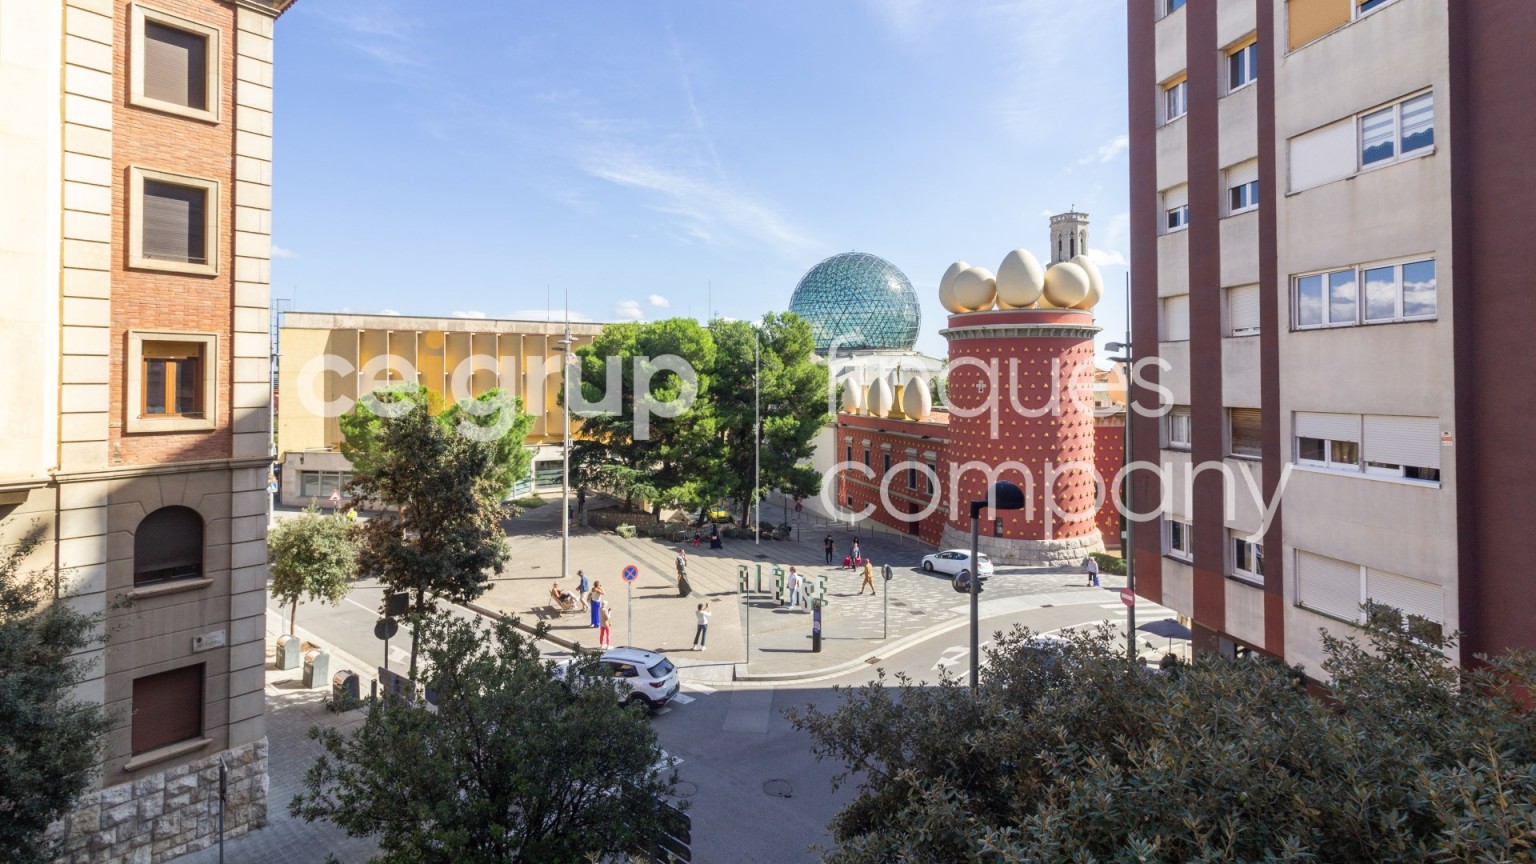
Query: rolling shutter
{"points": [[1411, 441], [1411, 596], [1328, 585], [1309, 19], [1323, 155], [1175, 197], [1243, 308], [173, 221], [1247, 431], [1334, 427], [175, 66], [1176, 318], [1243, 172], [167, 708]]}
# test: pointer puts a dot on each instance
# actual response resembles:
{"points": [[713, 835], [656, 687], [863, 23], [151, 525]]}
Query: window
{"points": [[172, 380], [1349, 592], [321, 484], [1175, 319], [547, 474], [173, 222], [1363, 7], [1247, 558], [1406, 448], [174, 65], [933, 472], [866, 457], [168, 546], [1177, 423], [1242, 65], [1400, 131], [1174, 6], [1245, 432], [1242, 187], [1243, 310], [849, 454], [885, 469], [167, 708], [1178, 541], [1392, 292], [1175, 99], [1176, 208]]}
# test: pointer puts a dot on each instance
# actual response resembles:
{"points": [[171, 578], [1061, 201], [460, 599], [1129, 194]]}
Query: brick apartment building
{"points": [[1328, 233], [136, 142]]}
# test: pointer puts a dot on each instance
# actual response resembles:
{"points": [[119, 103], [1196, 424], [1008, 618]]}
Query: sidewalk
{"points": [[855, 628]]}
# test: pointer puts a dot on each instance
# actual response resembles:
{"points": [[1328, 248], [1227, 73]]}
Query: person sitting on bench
{"points": [[562, 598]]}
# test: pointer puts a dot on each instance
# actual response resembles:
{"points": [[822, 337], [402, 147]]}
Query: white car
{"points": [[651, 677], [953, 561]]}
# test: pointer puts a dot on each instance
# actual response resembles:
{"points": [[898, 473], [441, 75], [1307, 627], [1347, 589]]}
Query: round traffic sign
{"points": [[631, 573], [1127, 596]]}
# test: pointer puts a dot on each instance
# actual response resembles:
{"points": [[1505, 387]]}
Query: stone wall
{"points": [[166, 815]]}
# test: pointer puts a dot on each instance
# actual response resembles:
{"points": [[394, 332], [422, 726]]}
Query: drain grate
{"points": [[779, 789]]}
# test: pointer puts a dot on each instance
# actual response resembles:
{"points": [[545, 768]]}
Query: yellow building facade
{"points": [[327, 361]]}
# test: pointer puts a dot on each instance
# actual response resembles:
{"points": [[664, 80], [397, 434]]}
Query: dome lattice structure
{"points": [[859, 301]]}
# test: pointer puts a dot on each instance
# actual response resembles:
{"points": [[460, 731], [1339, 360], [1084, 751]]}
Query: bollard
{"points": [[759, 578], [778, 584], [743, 581], [816, 627]]}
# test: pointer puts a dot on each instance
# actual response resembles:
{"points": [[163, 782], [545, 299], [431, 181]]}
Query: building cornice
{"points": [[117, 472], [1017, 331]]}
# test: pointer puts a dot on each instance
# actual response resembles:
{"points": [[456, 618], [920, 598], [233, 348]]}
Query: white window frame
{"points": [[1187, 555], [136, 257], [1398, 154], [1248, 47], [1179, 215], [1254, 548], [1356, 13], [1359, 270], [1328, 462], [1175, 94], [134, 379], [1171, 425], [139, 14], [1168, 7], [1232, 329]]}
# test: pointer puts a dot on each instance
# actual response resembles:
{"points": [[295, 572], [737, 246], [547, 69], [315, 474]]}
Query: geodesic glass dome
{"points": [[860, 302]]}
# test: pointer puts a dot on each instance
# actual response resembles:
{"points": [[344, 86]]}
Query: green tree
{"points": [[792, 404], [50, 742], [515, 764], [678, 456], [310, 556], [443, 477], [1075, 756]]}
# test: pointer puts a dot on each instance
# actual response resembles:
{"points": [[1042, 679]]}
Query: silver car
{"points": [[952, 562]]}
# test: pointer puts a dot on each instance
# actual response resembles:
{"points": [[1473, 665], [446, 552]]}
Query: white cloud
{"points": [[282, 252], [660, 302], [629, 309], [473, 313], [1108, 150], [1107, 257], [708, 211], [388, 312]]}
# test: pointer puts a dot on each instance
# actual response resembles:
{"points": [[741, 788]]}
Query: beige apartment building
{"points": [[1331, 205], [135, 155], [327, 361]]}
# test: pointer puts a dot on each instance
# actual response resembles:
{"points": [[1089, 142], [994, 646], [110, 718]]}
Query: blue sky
{"points": [[476, 157]]}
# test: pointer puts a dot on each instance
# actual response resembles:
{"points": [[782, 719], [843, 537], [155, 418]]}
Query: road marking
{"points": [[700, 688], [1111, 605], [399, 655], [370, 610], [681, 699]]}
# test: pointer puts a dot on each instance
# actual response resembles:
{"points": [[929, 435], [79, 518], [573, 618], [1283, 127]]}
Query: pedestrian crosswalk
{"points": [[687, 694]]}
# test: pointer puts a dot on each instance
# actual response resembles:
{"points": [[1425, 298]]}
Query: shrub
{"points": [[1111, 564], [626, 530]]}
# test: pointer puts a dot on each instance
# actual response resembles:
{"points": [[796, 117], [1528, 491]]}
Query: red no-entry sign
{"points": [[1127, 596]]}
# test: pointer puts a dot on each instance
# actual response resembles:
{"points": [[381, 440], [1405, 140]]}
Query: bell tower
{"points": [[1069, 236]]}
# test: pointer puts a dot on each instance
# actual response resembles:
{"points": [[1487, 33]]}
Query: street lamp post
{"points": [[1003, 496], [1129, 552], [757, 435], [565, 449]]}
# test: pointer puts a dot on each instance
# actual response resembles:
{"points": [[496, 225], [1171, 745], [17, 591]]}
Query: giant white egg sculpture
{"points": [[853, 395], [881, 398], [916, 402], [947, 288], [1066, 285], [975, 288], [1020, 279], [1095, 282]]}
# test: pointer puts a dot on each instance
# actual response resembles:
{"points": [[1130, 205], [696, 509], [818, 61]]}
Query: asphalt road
{"points": [[756, 792]]}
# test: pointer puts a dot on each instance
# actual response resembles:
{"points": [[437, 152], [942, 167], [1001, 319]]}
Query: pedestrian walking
{"points": [[581, 500], [794, 586], [605, 632], [683, 589], [869, 578], [595, 602], [701, 631], [1092, 566], [830, 548], [855, 554], [582, 587]]}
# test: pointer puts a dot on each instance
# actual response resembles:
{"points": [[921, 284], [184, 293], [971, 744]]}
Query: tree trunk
{"points": [[416, 628], [293, 617]]}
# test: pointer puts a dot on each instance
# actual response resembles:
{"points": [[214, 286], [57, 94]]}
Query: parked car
{"points": [[953, 561], [639, 676]]}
